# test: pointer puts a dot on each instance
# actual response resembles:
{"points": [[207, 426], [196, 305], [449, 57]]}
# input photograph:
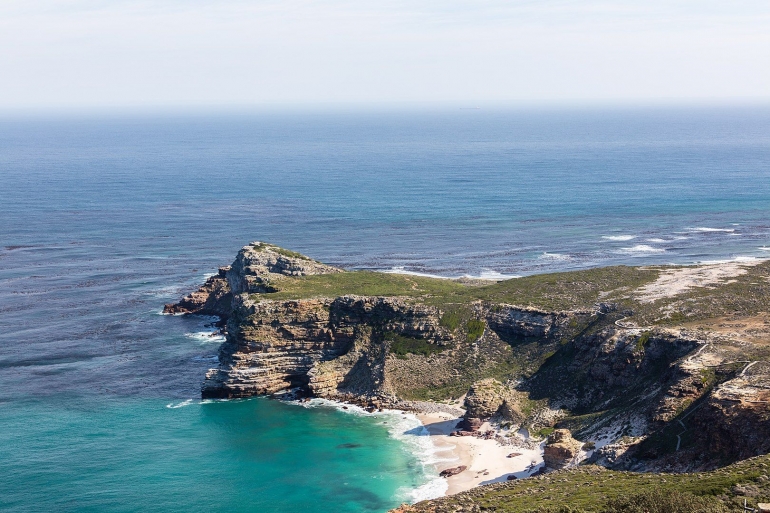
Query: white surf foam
{"points": [[401, 270], [170, 291], [186, 402], [554, 256], [642, 248], [730, 260], [764, 248], [706, 229], [433, 489], [619, 237], [488, 274], [206, 337]]}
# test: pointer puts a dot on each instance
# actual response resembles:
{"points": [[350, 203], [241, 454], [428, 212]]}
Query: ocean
{"points": [[103, 219]]}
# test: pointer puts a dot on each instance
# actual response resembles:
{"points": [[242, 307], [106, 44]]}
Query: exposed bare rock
{"points": [[212, 298], [257, 267], [519, 323], [260, 266], [471, 424], [610, 454], [561, 449], [271, 346], [323, 344], [647, 389], [734, 421], [453, 471], [489, 398]]}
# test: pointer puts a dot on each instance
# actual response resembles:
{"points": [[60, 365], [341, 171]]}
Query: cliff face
{"points": [[646, 390], [332, 347], [260, 267]]}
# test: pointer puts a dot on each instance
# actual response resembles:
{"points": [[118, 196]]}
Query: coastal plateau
{"points": [[633, 369]]}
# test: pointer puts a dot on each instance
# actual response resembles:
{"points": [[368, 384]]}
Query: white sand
{"points": [[486, 460], [673, 282]]}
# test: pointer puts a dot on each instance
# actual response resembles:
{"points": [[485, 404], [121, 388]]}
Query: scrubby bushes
{"points": [[475, 328], [401, 346], [665, 501], [654, 500]]}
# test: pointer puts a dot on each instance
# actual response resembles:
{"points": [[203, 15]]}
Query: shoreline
{"points": [[486, 460]]}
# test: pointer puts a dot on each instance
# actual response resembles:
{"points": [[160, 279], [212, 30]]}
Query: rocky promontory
{"points": [[658, 377]]}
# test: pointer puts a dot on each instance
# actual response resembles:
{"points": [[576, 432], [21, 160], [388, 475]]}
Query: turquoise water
{"points": [[103, 220], [252, 455]]}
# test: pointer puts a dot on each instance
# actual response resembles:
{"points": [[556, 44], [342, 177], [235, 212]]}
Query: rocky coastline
{"points": [[604, 376]]}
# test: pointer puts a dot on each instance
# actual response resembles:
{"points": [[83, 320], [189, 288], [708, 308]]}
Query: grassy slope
{"points": [[589, 488], [740, 296], [557, 291]]}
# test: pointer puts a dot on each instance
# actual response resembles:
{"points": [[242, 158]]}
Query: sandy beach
{"points": [[486, 460]]}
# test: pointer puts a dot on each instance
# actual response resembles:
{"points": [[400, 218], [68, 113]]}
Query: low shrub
{"points": [[475, 328], [401, 346], [656, 500]]}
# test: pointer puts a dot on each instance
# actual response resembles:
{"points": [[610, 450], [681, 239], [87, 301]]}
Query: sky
{"points": [[80, 54]]}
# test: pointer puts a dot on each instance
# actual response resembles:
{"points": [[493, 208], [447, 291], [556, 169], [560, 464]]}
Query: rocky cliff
{"points": [[578, 351]]}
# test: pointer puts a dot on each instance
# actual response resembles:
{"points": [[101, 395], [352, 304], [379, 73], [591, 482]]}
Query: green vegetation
{"points": [[664, 501], [362, 283], [401, 346], [543, 432], [642, 340], [567, 290], [594, 489], [747, 294], [451, 320], [475, 329], [654, 500], [708, 376], [558, 291]]}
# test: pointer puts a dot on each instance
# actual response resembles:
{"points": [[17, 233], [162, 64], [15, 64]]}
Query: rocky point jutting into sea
{"points": [[646, 369]]}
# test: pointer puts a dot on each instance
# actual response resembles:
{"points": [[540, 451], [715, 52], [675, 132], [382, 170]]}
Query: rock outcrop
{"points": [[259, 267], [212, 298], [561, 449], [489, 398], [333, 348]]}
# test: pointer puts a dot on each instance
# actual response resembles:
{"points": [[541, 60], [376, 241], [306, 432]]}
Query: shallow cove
{"points": [[247, 455]]}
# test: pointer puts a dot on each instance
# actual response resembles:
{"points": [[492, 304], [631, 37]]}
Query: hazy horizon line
{"points": [[130, 110]]}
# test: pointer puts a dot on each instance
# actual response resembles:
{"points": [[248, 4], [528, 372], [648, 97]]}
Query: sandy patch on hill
{"points": [[678, 280]]}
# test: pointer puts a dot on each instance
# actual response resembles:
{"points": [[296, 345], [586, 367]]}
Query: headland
{"points": [[644, 369]]}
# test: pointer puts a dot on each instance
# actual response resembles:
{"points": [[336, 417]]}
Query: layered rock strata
{"points": [[332, 348]]}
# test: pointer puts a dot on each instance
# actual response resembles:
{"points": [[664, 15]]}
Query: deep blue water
{"points": [[102, 220]]}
